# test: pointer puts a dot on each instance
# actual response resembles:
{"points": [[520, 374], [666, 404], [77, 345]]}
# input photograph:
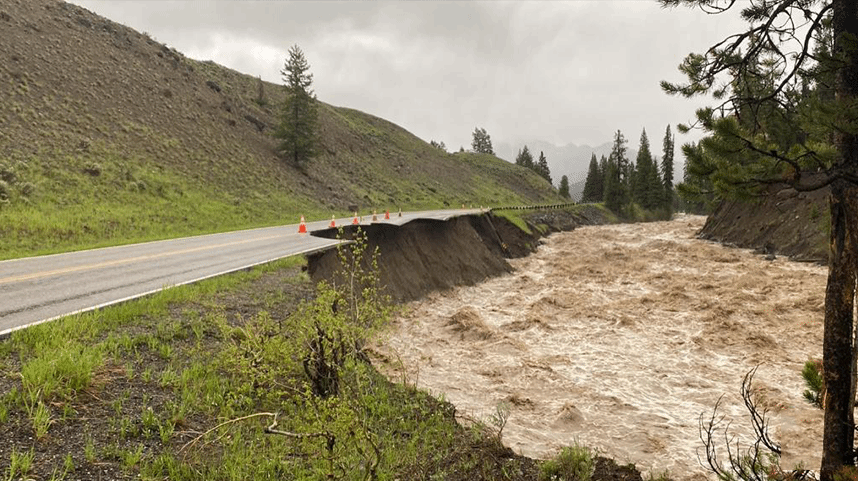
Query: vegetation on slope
{"points": [[107, 136]]}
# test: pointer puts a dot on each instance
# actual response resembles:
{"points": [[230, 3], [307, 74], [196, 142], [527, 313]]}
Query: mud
{"points": [[620, 337]]}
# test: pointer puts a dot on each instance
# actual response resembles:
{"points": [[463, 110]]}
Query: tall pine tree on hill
{"points": [[299, 115], [524, 158], [542, 168]]}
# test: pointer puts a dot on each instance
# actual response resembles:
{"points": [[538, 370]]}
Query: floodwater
{"points": [[619, 338]]}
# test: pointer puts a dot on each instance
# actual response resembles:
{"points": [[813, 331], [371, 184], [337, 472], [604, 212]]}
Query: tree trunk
{"points": [[837, 341], [837, 348]]}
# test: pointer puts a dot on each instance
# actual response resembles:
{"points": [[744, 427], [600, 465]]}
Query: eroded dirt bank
{"points": [[425, 256], [785, 222], [619, 337]]}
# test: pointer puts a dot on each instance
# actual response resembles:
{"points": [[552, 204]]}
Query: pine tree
{"points": [[643, 167], [617, 175], [667, 169], [438, 145], [524, 158], [614, 194], [767, 133], [563, 189], [299, 116], [482, 142], [648, 187], [593, 184], [600, 186], [542, 168]]}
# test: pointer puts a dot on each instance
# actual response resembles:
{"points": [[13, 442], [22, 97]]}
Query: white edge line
{"points": [[7, 332]]}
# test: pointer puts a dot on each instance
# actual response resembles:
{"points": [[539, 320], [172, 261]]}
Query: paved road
{"points": [[38, 289]]}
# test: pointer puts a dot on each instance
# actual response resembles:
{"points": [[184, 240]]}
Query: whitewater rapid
{"points": [[619, 337]]}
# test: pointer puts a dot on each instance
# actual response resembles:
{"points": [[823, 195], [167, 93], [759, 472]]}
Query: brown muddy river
{"points": [[618, 338]]}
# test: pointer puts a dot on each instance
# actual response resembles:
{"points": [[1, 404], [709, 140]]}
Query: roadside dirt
{"points": [[427, 256], [619, 337]]}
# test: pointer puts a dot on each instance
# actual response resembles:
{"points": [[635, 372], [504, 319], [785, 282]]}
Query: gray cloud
{"points": [[564, 72]]}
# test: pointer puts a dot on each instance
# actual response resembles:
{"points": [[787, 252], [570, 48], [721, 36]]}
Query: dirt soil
{"points": [[784, 222], [620, 337]]}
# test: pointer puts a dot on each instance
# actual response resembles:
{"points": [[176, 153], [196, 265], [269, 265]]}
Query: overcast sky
{"points": [[559, 71]]}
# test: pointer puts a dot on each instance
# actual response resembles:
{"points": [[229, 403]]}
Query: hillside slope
{"points": [[107, 136]]}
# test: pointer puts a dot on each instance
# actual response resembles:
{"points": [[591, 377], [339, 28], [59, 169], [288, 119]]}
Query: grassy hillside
{"points": [[107, 136]]}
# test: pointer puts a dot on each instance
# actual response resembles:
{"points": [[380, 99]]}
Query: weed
{"points": [[89, 450], [149, 421], [500, 417], [41, 419], [165, 432], [19, 464], [662, 476], [130, 458]]}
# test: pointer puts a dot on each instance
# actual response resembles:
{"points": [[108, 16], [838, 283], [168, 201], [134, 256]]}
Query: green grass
{"points": [[161, 367], [515, 216]]}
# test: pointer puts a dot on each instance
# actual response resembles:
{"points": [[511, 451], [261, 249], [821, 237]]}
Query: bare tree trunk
{"points": [[837, 348], [837, 341]]}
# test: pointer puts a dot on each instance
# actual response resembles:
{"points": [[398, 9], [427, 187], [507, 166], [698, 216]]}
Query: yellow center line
{"points": [[88, 267]]}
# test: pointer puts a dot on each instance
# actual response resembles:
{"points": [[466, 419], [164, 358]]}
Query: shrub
{"points": [[92, 169], [573, 463], [27, 189]]}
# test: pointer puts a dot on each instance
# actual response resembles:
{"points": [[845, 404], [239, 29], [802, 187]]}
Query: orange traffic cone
{"points": [[387, 214], [355, 221], [333, 223], [302, 227]]}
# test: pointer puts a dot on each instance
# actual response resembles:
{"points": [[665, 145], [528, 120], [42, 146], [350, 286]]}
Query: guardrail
{"points": [[537, 207]]}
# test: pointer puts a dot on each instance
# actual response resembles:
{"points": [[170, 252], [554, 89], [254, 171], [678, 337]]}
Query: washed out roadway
{"points": [[39, 289]]}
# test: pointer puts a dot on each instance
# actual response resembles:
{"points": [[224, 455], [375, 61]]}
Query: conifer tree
{"points": [[524, 158], [299, 116], [542, 168], [614, 191], [594, 182], [667, 169], [617, 175], [563, 189], [482, 142], [603, 169]]}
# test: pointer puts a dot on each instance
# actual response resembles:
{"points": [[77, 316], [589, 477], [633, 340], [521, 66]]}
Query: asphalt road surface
{"points": [[39, 289]]}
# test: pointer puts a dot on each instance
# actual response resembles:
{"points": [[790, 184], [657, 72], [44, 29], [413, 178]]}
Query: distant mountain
{"points": [[570, 160]]}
